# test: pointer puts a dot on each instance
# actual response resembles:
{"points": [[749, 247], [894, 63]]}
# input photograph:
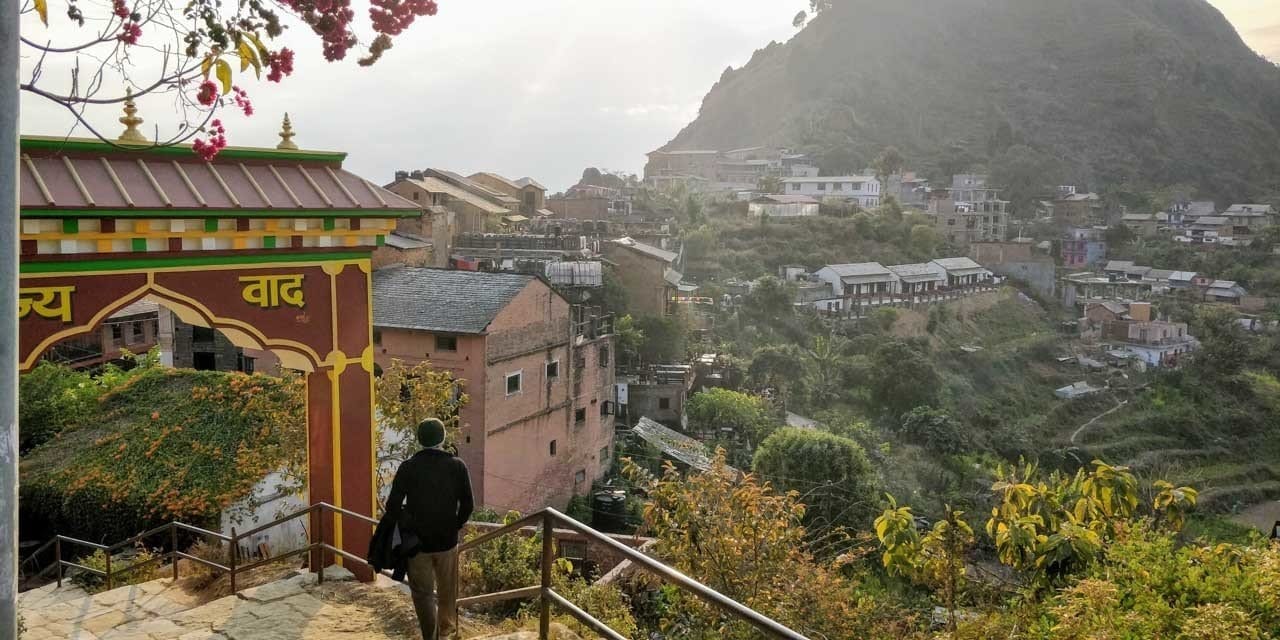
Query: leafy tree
{"points": [[770, 184], [826, 355], [51, 397], [830, 475], [889, 162], [744, 415], [937, 559], [744, 540], [778, 366], [925, 240], [628, 338], [901, 378], [934, 430], [405, 396], [663, 338], [770, 301], [1119, 235]]}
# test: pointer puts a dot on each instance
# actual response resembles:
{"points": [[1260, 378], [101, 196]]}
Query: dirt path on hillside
{"points": [[1260, 516], [1075, 436]]}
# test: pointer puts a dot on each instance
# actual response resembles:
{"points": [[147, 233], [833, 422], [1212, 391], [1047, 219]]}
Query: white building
{"points": [[919, 278], [861, 190], [782, 206], [859, 279], [962, 271]]}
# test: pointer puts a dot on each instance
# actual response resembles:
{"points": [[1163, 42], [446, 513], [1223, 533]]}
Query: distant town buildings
{"points": [[733, 170], [849, 286], [969, 211], [863, 191], [647, 274], [538, 427], [782, 206], [1083, 247]]}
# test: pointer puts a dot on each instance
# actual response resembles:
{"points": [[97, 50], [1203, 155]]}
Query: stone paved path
{"points": [[296, 608]]}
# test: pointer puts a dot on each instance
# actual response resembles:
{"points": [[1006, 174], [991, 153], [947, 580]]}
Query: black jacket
{"points": [[391, 547], [434, 490]]}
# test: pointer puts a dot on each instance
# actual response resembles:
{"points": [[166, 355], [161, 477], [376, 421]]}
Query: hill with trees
{"points": [[1092, 92]]}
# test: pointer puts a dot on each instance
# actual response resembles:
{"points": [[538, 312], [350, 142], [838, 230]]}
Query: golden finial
{"points": [[286, 134], [130, 120]]}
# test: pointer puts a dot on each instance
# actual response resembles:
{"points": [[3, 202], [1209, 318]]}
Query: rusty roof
{"points": [[60, 176]]}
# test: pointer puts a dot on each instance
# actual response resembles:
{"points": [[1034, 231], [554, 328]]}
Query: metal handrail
{"points": [[546, 519]]}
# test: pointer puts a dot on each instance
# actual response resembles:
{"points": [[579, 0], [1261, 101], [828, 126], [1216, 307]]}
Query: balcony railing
{"points": [[546, 521]]}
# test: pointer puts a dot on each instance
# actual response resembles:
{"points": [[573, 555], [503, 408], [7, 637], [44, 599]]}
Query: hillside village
{"points": [[798, 377]]}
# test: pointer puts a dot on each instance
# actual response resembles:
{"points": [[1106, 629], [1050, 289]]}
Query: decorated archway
{"points": [[269, 246]]}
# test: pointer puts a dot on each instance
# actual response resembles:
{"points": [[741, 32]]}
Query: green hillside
{"points": [[1105, 92]]}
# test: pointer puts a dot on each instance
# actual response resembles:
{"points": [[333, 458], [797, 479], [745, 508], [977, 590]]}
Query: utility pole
{"points": [[9, 318]]}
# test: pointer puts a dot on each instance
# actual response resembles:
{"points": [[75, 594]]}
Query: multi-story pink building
{"points": [[539, 425]]}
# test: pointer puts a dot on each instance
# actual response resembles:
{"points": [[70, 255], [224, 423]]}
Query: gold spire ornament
{"points": [[286, 135], [130, 120]]}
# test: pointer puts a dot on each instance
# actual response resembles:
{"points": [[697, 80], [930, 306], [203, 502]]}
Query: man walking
{"points": [[434, 489]]}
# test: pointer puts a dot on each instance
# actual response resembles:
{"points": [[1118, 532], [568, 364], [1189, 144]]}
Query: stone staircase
{"points": [[294, 608]]}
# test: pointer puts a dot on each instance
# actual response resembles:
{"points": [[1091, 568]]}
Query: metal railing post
{"points": [[107, 553], [233, 552], [173, 549], [57, 557], [548, 557], [319, 555]]}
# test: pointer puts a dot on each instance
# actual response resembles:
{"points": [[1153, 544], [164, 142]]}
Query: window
{"points": [[245, 364], [604, 357], [822, 186], [604, 453], [553, 447], [839, 186], [377, 337], [553, 370], [204, 361], [795, 186], [664, 403], [117, 334], [514, 381], [606, 408], [201, 334], [580, 415], [137, 331], [417, 195], [446, 343], [580, 477]]}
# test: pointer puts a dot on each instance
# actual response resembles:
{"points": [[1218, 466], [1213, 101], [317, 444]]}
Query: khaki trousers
{"points": [[433, 581]]}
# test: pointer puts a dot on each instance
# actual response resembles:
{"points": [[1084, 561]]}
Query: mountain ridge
{"points": [[1139, 92]]}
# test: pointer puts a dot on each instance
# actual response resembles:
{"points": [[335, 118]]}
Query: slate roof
{"points": [[1182, 276], [1119, 265], [661, 254], [957, 264], [859, 269], [442, 300], [916, 271]]}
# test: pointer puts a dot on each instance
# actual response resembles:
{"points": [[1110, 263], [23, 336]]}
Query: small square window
{"points": [[580, 415], [417, 195], [553, 447], [604, 356], [514, 381], [377, 337], [580, 477], [553, 370], [795, 186], [446, 343], [138, 331], [664, 403], [604, 453], [117, 333], [201, 334]]}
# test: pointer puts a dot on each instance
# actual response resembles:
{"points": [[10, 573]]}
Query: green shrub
{"points": [[50, 398], [94, 583]]}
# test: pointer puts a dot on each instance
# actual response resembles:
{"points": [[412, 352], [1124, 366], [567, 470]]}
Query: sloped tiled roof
{"points": [[442, 300], [436, 185], [957, 264], [1118, 265], [858, 269], [529, 182], [79, 175], [919, 271]]}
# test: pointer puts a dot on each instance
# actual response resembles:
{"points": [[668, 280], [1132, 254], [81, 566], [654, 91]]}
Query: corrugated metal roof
{"points": [[150, 181], [957, 264], [436, 185], [673, 443], [859, 269], [442, 300], [915, 270], [398, 241], [649, 250]]}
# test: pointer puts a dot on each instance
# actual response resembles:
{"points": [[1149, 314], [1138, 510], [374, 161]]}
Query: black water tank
{"points": [[610, 509]]}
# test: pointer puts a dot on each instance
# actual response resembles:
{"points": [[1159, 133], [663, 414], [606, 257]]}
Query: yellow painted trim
{"points": [[84, 328], [336, 422], [239, 242], [104, 246], [367, 363], [188, 268]]}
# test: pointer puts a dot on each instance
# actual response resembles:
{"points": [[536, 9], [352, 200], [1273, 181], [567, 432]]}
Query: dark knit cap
{"points": [[431, 432]]}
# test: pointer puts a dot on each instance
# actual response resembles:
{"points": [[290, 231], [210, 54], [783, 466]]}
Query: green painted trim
{"points": [[139, 244], [133, 263], [382, 240], [35, 212], [210, 225], [70, 225], [329, 224], [83, 145], [268, 242]]}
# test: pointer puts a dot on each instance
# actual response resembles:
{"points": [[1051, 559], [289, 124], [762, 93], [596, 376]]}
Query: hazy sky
{"points": [[522, 88]]}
